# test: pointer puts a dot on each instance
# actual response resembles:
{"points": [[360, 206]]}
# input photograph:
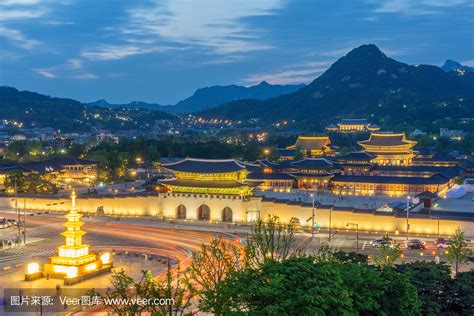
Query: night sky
{"points": [[161, 51]]}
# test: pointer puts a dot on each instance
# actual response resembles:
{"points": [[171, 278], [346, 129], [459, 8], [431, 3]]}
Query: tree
{"points": [[387, 255], [295, 286], [431, 280], [458, 252], [31, 182], [460, 294], [400, 296], [307, 286], [210, 266], [270, 240], [173, 292]]}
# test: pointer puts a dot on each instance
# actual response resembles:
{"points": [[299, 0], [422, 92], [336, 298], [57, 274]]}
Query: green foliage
{"points": [[210, 267], [458, 252], [31, 183], [431, 280], [460, 294], [270, 240], [387, 255], [305, 286]]}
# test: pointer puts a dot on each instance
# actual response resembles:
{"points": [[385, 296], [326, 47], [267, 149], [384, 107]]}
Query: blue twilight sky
{"points": [[163, 50]]}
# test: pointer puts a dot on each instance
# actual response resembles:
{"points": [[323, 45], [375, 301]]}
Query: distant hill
{"points": [[364, 84], [212, 96], [209, 97], [451, 65], [132, 105], [38, 110]]}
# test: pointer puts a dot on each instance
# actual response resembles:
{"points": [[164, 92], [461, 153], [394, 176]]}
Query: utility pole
{"points": [[357, 234], [17, 211], [330, 219], [24, 221], [312, 218], [408, 212]]}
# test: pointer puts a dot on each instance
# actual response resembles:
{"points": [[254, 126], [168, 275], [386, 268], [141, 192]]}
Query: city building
{"points": [[352, 126], [454, 134], [389, 148]]}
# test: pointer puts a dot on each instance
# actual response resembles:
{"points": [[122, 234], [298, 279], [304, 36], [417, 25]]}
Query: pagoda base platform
{"points": [[106, 268]]}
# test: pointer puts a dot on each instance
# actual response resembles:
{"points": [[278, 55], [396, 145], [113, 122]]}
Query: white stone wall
{"points": [[243, 210]]}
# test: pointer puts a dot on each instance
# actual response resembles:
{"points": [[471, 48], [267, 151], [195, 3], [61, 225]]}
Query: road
{"points": [[175, 240]]}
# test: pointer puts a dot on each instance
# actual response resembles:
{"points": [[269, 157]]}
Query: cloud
{"points": [[469, 63], [292, 74], [18, 38], [13, 11], [410, 7], [208, 26], [72, 69], [111, 52]]}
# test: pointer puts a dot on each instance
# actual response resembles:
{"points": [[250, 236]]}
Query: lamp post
{"points": [[17, 209], [357, 234], [312, 218], [408, 212], [330, 220], [266, 152]]}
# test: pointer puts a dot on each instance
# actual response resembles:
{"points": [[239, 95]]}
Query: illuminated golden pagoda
{"points": [[74, 261]]}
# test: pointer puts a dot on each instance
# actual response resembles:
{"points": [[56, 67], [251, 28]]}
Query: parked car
{"points": [[415, 244], [441, 243], [12, 221], [384, 241]]}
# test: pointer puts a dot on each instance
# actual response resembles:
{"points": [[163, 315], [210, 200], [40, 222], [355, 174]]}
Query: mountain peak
{"points": [[366, 50], [452, 65], [263, 83]]}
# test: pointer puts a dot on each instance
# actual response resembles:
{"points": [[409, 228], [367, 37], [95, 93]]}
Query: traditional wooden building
{"points": [[312, 146], [352, 126], [389, 148], [209, 176], [388, 185]]}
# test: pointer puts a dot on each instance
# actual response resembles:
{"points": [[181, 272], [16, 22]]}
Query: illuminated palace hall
{"points": [[388, 164], [73, 261]]}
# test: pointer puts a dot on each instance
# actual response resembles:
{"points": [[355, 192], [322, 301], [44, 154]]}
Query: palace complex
{"points": [[387, 165]]}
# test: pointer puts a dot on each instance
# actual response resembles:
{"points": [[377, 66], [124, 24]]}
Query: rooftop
{"points": [[354, 122], [227, 184], [387, 139], [312, 163], [435, 179], [311, 142], [194, 165]]}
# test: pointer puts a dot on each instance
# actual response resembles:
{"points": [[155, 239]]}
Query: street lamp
{"points": [[266, 152], [330, 224], [408, 212], [357, 234], [312, 218]]}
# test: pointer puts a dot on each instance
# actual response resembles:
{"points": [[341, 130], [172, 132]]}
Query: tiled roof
{"points": [[312, 163], [46, 166], [206, 165], [227, 184], [436, 179], [269, 176], [354, 122], [435, 169], [356, 155], [311, 142], [387, 139]]}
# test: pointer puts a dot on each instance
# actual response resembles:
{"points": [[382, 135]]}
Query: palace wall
{"points": [[243, 210]]}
